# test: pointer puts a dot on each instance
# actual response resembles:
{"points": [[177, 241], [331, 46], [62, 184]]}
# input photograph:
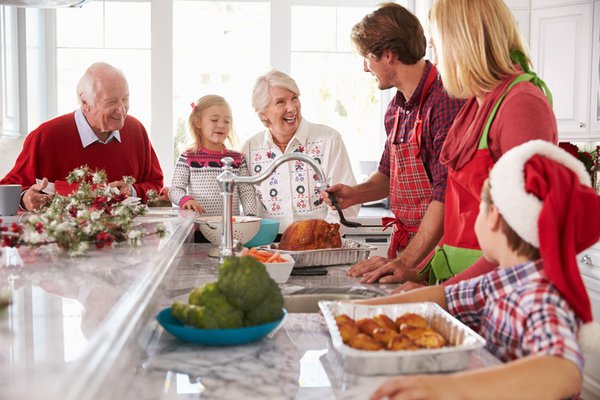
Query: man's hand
{"points": [[368, 265], [192, 204], [164, 194], [343, 193], [383, 270], [34, 199], [122, 186]]}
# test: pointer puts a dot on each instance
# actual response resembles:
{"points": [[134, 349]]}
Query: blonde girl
{"points": [[194, 185]]}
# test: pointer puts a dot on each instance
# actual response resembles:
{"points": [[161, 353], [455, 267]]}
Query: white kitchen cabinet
{"points": [[589, 264], [595, 92], [561, 48], [521, 10]]}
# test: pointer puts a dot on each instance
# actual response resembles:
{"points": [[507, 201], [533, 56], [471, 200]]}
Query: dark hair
{"points": [[390, 27], [515, 242]]}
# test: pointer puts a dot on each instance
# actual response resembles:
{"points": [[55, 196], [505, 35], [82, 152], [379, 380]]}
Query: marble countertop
{"points": [[295, 362], [71, 316], [85, 328]]}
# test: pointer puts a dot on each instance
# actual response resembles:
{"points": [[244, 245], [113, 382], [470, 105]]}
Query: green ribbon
{"points": [[518, 57]]}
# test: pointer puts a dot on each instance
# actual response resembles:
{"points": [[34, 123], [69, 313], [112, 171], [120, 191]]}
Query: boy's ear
{"points": [[493, 218]]}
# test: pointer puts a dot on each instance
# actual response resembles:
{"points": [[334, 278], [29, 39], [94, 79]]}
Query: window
{"points": [[219, 48], [196, 47], [116, 32], [335, 89], [9, 71]]}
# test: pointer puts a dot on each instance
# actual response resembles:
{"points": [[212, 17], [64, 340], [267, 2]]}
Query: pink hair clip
{"points": [[193, 104]]}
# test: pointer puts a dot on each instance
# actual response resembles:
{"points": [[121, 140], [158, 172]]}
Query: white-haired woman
{"points": [[290, 194]]}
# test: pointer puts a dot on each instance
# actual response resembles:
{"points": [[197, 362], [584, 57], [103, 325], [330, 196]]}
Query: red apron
{"points": [[463, 194], [410, 188]]}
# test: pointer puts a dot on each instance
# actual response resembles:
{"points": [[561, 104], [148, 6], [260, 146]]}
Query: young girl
{"points": [[533, 310], [194, 185]]}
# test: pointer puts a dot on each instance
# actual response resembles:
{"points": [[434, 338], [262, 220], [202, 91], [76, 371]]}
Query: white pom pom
{"points": [[589, 337]]}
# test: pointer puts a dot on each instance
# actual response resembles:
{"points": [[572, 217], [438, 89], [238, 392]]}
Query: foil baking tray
{"points": [[462, 339], [351, 252]]}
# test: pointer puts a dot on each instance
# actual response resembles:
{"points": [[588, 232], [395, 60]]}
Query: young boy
{"points": [[537, 212]]}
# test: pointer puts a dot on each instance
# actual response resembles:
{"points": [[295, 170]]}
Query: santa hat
{"points": [[544, 194]]}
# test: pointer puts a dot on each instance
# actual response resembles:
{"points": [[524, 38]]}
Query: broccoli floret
{"points": [[268, 310], [217, 307], [244, 281], [180, 311], [208, 309], [205, 295], [202, 317]]}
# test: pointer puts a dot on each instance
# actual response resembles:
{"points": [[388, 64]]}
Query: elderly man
{"points": [[99, 134], [392, 42]]}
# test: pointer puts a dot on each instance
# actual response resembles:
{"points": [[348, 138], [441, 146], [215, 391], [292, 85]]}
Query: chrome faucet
{"points": [[227, 181]]}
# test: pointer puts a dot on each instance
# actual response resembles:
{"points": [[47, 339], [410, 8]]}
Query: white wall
{"points": [[9, 150]]}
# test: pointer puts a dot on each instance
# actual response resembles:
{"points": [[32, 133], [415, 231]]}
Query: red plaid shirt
{"points": [[519, 312], [438, 113]]}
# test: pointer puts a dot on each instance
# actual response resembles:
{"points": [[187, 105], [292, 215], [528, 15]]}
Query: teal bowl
{"points": [[269, 228], [216, 337]]}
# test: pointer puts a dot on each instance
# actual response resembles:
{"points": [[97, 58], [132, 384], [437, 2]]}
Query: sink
{"points": [[307, 300]]}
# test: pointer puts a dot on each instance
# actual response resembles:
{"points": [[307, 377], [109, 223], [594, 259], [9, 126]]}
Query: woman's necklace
{"points": [[282, 146]]}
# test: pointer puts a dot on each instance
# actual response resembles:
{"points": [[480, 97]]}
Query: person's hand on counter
{"points": [[406, 286], [34, 198], [420, 387], [384, 270]]}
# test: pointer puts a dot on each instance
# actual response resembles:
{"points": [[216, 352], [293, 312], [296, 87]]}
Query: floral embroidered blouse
{"points": [[290, 193]]}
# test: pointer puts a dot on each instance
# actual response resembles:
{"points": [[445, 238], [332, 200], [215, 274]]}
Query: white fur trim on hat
{"points": [[520, 209], [589, 337]]}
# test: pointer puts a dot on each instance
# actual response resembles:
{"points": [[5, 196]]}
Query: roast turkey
{"points": [[311, 234]]}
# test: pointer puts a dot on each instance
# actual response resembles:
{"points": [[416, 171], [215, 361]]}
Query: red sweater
{"points": [[54, 149]]}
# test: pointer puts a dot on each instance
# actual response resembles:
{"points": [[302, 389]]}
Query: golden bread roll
{"points": [[367, 325], [411, 319], [384, 335], [365, 342], [385, 322]]}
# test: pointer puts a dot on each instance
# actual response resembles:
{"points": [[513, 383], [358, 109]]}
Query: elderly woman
{"points": [[290, 194]]}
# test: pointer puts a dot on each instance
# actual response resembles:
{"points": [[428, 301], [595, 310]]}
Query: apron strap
{"points": [[431, 77], [418, 127], [400, 235], [483, 141]]}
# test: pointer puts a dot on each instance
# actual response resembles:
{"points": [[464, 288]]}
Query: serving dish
{"points": [[462, 340], [280, 271], [215, 337], [351, 252], [244, 228], [266, 233]]}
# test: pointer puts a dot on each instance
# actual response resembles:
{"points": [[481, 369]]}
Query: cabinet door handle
{"points": [[581, 124], [586, 259]]}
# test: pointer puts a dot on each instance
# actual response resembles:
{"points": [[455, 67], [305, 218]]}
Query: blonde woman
{"points": [[194, 185], [481, 58]]}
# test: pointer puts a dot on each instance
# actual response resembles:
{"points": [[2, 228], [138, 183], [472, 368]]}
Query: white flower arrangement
{"points": [[93, 214]]}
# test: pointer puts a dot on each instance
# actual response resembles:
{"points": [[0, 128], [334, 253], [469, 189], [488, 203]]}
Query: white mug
{"points": [[10, 196]]}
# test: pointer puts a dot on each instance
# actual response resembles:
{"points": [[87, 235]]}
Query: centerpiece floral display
{"points": [[94, 214]]}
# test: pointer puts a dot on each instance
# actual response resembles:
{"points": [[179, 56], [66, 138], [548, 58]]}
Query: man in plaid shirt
{"points": [[393, 45], [533, 311]]}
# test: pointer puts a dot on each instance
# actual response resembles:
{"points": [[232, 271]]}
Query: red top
{"points": [[54, 149], [524, 115]]}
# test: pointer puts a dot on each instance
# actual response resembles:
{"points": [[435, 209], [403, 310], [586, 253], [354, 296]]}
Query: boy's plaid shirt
{"points": [[519, 312]]}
